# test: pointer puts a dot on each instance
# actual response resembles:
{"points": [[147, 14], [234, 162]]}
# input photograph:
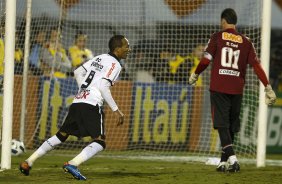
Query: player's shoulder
{"points": [[215, 34], [246, 40], [106, 57], [109, 59]]}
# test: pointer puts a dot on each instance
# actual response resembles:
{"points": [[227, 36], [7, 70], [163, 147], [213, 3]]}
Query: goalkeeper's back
{"points": [[230, 53]]}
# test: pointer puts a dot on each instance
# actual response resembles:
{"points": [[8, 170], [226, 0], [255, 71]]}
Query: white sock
{"points": [[48, 145], [233, 159], [88, 152]]}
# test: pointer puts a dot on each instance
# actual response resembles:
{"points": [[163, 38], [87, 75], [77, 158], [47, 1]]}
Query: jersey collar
{"points": [[113, 55], [230, 30]]}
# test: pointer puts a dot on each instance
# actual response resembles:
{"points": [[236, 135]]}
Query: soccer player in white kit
{"points": [[85, 116]]}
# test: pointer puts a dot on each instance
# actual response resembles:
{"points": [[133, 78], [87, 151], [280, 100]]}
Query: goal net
{"points": [[164, 115]]}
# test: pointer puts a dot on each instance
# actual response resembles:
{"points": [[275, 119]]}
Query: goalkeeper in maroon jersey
{"points": [[229, 52]]}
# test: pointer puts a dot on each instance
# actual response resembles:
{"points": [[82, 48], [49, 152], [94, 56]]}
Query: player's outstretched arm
{"points": [[106, 94], [193, 78], [79, 75], [204, 63], [270, 96], [120, 117]]}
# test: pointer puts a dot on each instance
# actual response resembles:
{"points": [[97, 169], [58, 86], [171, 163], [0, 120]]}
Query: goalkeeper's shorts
{"points": [[84, 120], [225, 109]]}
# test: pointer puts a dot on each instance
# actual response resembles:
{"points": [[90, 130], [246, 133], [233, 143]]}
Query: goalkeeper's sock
{"points": [[88, 152], [228, 150], [48, 145], [224, 157], [230, 154]]}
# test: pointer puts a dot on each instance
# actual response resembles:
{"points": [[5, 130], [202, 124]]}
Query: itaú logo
{"points": [[229, 72]]}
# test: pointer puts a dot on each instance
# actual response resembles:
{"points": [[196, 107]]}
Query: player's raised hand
{"points": [[270, 96], [193, 78], [119, 116]]}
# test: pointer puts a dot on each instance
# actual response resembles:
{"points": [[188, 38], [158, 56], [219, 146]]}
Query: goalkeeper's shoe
{"points": [[24, 168], [73, 170], [221, 167], [234, 167]]}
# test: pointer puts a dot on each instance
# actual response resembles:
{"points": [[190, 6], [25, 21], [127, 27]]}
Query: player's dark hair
{"points": [[229, 15], [115, 42]]}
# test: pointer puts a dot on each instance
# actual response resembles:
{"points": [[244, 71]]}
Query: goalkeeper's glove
{"points": [[270, 96], [193, 78]]}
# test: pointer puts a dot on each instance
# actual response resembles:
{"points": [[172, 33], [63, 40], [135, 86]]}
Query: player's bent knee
{"points": [[62, 136], [101, 142]]}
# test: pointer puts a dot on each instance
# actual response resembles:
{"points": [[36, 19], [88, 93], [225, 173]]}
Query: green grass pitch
{"points": [[106, 170]]}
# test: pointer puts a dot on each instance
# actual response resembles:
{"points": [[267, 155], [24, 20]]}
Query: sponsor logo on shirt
{"points": [[97, 65], [232, 37], [229, 72], [82, 94], [111, 70]]}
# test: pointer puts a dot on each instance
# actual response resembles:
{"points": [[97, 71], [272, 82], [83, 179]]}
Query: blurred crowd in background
{"points": [[151, 60], [48, 56]]}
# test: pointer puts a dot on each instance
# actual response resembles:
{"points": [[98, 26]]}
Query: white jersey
{"points": [[90, 77]]}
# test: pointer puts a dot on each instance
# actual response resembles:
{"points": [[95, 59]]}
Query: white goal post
{"points": [[8, 84], [164, 116], [265, 55]]}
